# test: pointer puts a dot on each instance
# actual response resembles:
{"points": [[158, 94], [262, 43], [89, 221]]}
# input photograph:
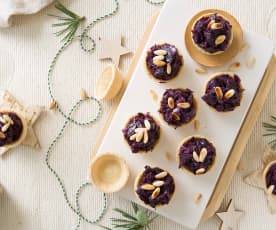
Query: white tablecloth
{"points": [[33, 200]]}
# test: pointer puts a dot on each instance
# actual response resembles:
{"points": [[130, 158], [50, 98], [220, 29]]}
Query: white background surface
{"points": [[33, 200]]}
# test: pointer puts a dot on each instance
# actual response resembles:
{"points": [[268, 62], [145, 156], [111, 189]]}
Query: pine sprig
{"points": [[141, 220], [271, 131], [69, 22]]}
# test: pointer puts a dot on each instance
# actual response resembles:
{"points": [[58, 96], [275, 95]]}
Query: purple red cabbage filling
{"points": [[14, 131], [138, 122], [271, 177], [225, 82], [166, 191], [173, 58], [179, 96], [186, 159], [205, 37]]}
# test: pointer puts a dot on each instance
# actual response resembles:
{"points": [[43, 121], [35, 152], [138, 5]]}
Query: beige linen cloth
{"points": [[33, 199]]}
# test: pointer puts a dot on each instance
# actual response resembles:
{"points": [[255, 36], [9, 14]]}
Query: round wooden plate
{"points": [[219, 59]]}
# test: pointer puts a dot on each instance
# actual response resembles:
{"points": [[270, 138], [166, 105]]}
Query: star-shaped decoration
{"points": [[113, 49], [256, 178], [230, 217], [30, 113]]}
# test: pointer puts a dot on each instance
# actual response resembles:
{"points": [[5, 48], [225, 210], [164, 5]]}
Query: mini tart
{"points": [[223, 91], [212, 34], [163, 62], [109, 172], [196, 155], [141, 132], [154, 186], [269, 177], [178, 106], [13, 129]]}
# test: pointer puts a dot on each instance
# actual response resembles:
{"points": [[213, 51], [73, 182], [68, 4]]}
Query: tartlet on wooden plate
{"points": [[219, 59]]}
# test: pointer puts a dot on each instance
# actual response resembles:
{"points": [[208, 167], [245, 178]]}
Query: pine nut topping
{"points": [[147, 187], [216, 26], [175, 116], [230, 93], [159, 63], [171, 102], [219, 92], [155, 193], [161, 175], [159, 57], [195, 156], [160, 52], [203, 154], [184, 105], [220, 39], [158, 183], [147, 124], [200, 171], [169, 68], [270, 189]]}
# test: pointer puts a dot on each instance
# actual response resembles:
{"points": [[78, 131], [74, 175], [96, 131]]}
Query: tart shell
{"points": [[202, 50], [23, 133], [137, 181], [265, 172], [96, 167], [231, 74], [196, 109], [178, 160], [156, 143]]}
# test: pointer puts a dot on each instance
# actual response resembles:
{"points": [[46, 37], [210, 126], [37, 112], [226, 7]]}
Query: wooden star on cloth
{"points": [[256, 178], [230, 218], [31, 114], [113, 49]]}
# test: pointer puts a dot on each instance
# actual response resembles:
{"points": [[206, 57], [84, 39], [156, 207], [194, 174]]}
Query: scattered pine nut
{"points": [[197, 198], [234, 66], [154, 95], [201, 70], [83, 94], [52, 105], [196, 124], [250, 62]]}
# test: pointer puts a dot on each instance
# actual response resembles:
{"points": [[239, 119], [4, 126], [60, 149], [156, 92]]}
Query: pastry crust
{"points": [[266, 169], [23, 133], [114, 85], [230, 74], [178, 157], [195, 103], [204, 51], [156, 143], [108, 183], [138, 180], [160, 80]]}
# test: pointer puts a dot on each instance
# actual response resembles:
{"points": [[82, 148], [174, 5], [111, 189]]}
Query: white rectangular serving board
{"points": [[221, 128]]}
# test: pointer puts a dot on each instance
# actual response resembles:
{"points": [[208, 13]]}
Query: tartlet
{"points": [[154, 186], [178, 106], [212, 34], [109, 172], [269, 176], [142, 132], [196, 154], [163, 62], [223, 91], [13, 129]]}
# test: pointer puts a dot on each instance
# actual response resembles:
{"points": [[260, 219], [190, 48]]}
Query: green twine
{"points": [[68, 116]]}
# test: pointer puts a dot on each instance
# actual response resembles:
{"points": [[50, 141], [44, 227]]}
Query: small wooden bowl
{"points": [[109, 172], [219, 59]]}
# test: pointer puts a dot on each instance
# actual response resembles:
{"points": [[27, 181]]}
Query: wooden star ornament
{"points": [[257, 178], [30, 114], [230, 217], [113, 49]]}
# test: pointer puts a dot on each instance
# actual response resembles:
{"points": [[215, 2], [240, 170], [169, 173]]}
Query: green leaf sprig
{"points": [[271, 131], [141, 219], [70, 22]]}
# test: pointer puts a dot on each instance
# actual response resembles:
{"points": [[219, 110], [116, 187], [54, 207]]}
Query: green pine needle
{"points": [[271, 131], [69, 22], [141, 219]]}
